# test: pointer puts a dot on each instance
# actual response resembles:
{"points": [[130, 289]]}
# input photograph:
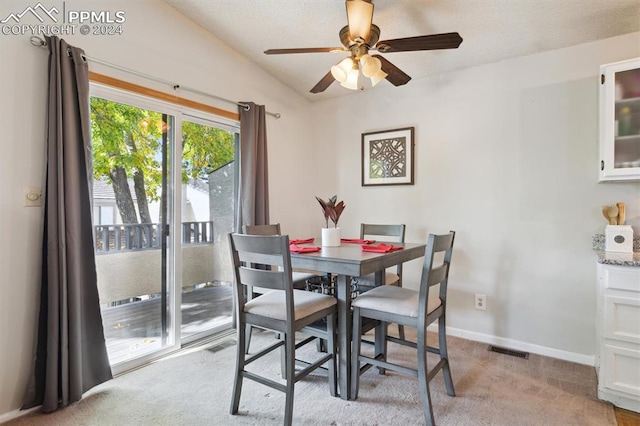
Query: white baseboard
{"points": [[16, 413], [518, 345]]}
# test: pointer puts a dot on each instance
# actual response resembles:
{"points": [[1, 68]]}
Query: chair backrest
{"points": [[375, 230], [248, 253], [271, 229], [436, 274]]}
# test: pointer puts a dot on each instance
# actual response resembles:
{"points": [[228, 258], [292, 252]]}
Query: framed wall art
{"points": [[387, 157]]}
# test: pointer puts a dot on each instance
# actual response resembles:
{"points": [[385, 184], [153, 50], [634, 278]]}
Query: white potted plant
{"points": [[332, 209]]}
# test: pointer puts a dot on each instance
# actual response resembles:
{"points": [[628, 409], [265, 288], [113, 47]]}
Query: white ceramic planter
{"points": [[330, 237]]}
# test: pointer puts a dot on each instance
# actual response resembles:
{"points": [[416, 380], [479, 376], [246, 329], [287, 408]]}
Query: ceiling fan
{"points": [[358, 38]]}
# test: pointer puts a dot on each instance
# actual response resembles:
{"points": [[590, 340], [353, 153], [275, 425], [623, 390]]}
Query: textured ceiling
{"points": [[492, 30]]}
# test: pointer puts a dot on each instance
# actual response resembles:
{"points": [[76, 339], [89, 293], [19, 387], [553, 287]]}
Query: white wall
{"points": [[157, 41], [507, 156]]}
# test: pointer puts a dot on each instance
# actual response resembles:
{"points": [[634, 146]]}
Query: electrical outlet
{"points": [[481, 302]]}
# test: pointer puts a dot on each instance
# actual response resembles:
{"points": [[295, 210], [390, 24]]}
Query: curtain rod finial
{"points": [[37, 41]]}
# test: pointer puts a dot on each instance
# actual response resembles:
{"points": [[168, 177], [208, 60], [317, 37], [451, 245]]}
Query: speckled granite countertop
{"points": [[612, 258]]}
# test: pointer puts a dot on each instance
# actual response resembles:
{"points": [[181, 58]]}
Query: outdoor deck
{"points": [[134, 329]]}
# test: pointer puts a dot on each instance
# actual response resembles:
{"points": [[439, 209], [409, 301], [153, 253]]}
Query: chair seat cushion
{"points": [[395, 300], [390, 278], [272, 304]]}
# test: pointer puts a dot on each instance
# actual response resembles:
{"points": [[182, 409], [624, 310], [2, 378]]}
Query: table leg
{"points": [[344, 335], [379, 278], [380, 332]]}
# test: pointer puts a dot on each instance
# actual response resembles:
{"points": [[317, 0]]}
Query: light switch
{"points": [[32, 196]]}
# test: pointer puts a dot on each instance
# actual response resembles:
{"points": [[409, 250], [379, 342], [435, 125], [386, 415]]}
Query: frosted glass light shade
{"points": [[370, 65], [353, 80], [338, 74], [378, 77], [341, 71]]}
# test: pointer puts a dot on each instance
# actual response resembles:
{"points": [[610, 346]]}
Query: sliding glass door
{"points": [[208, 205], [163, 201]]}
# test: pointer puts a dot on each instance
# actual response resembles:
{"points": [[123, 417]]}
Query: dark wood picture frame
{"points": [[388, 157]]}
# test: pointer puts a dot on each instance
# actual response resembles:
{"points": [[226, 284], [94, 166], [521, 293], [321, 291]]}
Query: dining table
{"points": [[345, 262]]}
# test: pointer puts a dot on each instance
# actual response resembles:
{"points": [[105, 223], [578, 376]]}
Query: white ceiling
{"points": [[492, 30]]}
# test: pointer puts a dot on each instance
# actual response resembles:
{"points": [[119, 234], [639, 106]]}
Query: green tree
{"points": [[204, 149], [126, 144]]}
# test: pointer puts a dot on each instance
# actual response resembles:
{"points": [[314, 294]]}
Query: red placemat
{"points": [[356, 241], [297, 249], [304, 241], [381, 248]]}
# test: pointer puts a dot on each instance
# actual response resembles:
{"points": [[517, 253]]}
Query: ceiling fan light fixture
{"points": [[353, 81], [370, 65], [378, 76], [360, 17], [341, 71], [338, 74]]}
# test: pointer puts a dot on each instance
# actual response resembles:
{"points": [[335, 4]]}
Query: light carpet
{"points": [[194, 388]]}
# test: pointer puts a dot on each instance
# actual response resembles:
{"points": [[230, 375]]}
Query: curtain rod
{"points": [[38, 42]]}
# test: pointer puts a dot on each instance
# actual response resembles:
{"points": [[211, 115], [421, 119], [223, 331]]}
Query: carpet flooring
{"points": [[194, 388]]}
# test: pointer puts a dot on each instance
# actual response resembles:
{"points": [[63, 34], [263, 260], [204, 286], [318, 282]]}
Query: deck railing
{"points": [[141, 236]]}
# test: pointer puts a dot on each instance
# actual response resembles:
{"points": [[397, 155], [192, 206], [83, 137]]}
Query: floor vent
{"points": [[509, 352], [222, 346]]}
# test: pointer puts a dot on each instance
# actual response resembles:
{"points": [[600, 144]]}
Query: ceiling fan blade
{"points": [[323, 84], [360, 18], [396, 76], [305, 50], [427, 42]]}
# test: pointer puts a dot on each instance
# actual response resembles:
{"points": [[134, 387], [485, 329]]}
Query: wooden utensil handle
{"points": [[621, 214], [605, 213]]}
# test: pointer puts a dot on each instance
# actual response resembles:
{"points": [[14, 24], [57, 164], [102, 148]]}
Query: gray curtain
{"points": [[253, 191], [71, 355]]}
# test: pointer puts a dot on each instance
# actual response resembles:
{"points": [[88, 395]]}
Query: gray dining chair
{"points": [[412, 308], [392, 276], [283, 309], [299, 278]]}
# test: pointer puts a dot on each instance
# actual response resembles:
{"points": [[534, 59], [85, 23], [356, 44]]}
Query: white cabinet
{"points": [[618, 335], [619, 99]]}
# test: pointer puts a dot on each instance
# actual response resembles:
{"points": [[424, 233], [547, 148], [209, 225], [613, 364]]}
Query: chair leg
{"points": [[381, 332], [355, 353], [331, 348], [283, 355], [401, 331], [237, 382], [290, 360], [400, 327], [423, 381], [442, 342], [247, 338]]}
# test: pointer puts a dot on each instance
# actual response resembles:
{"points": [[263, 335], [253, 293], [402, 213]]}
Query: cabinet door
{"points": [[622, 319], [622, 372], [620, 121]]}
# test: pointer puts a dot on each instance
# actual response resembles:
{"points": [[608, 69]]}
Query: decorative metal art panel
{"points": [[387, 157]]}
